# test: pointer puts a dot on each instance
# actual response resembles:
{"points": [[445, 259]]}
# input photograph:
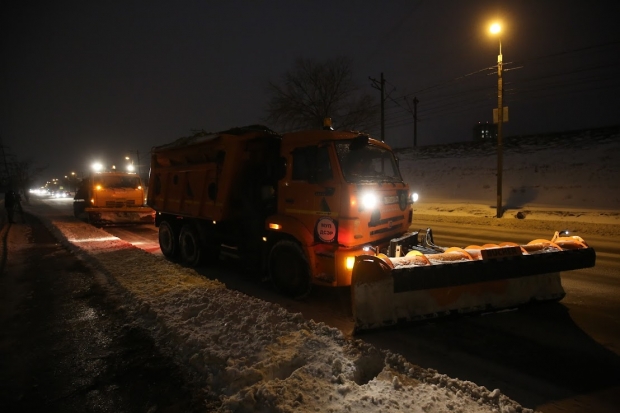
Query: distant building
{"points": [[484, 131]]}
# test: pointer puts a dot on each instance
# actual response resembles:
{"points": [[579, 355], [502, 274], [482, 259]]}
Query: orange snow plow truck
{"points": [[331, 208], [112, 198]]}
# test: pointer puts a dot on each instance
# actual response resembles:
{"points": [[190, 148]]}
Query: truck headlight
{"points": [[349, 262], [369, 200], [414, 197]]}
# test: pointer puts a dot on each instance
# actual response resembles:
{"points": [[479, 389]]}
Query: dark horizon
{"points": [[89, 81]]}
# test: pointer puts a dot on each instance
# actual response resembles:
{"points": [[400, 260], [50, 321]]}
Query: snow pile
{"points": [[544, 177], [248, 355]]}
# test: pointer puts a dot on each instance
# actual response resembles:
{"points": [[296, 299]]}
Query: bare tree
{"points": [[23, 175], [312, 91]]}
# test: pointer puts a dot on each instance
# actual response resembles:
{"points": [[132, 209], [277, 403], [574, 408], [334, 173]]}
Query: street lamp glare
{"points": [[496, 28]]}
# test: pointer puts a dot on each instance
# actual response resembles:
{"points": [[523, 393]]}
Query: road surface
{"points": [[559, 357]]}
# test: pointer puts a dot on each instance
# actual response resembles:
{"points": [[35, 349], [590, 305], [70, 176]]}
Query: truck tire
{"points": [[289, 269], [168, 241], [78, 209], [190, 246]]}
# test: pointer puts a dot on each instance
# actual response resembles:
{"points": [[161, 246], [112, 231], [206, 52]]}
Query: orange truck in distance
{"points": [[112, 198]]}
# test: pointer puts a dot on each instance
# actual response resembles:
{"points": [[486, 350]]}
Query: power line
{"points": [[572, 80], [568, 52], [459, 78]]}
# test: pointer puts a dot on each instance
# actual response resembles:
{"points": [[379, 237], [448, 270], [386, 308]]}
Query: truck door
{"points": [[312, 193]]}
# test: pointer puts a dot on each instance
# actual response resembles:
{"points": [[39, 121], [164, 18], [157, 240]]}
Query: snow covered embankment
{"points": [[252, 356], [575, 175]]}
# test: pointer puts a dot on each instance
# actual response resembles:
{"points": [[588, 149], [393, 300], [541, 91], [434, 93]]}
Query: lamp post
{"points": [[496, 29], [74, 180], [130, 166]]}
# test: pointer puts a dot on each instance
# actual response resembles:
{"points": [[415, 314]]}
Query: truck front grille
{"points": [[120, 203], [385, 225], [385, 221], [386, 229]]}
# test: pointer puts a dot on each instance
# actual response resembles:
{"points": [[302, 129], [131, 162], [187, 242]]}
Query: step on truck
{"points": [[330, 208]]}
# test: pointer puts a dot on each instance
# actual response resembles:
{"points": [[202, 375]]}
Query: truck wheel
{"points": [[190, 246], [168, 241], [78, 209], [289, 269]]}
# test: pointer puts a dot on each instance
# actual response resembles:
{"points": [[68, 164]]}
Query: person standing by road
{"points": [[18, 206], [9, 204]]}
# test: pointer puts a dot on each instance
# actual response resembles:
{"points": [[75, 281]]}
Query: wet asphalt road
{"points": [[66, 345]]}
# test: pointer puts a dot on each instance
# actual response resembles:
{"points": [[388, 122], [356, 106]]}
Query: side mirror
{"points": [[281, 168], [219, 157], [359, 142]]}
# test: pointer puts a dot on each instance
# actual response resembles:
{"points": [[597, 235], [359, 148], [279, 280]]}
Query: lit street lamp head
{"points": [[496, 28]]}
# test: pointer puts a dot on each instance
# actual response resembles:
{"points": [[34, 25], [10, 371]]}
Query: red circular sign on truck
{"points": [[326, 229]]}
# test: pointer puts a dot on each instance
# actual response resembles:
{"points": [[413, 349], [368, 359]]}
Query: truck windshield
{"points": [[113, 181], [367, 163]]}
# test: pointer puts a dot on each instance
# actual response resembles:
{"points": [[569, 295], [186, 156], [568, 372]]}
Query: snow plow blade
{"points": [[431, 281], [120, 216]]}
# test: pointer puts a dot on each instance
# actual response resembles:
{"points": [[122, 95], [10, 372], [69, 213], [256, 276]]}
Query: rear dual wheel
{"points": [[168, 241], [289, 269], [191, 246]]}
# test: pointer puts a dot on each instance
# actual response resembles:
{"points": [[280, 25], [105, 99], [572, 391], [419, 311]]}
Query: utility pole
{"points": [[500, 121], [414, 112], [138, 160], [415, 121], [496, 29], [381, 87]]}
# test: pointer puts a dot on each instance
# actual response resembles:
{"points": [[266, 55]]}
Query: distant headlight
{"points": [[414, 197], [369, 200]]}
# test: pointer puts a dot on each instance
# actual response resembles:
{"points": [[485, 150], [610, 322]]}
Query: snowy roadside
{"points": [[248, 355], [586, 223], [569, 177]]}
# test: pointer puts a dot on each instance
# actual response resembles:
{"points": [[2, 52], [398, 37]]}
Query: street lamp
{"points": [[496, 30], [137, 164]]}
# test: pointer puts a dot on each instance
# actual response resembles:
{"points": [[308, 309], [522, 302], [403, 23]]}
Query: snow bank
{"points": [[247, 355], [572, 173]]}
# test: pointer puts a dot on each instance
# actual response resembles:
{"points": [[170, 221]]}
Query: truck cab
{"points": [[341, 192]]}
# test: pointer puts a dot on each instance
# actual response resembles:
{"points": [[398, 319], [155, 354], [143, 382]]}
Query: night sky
{"points": [[85, 81]]}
